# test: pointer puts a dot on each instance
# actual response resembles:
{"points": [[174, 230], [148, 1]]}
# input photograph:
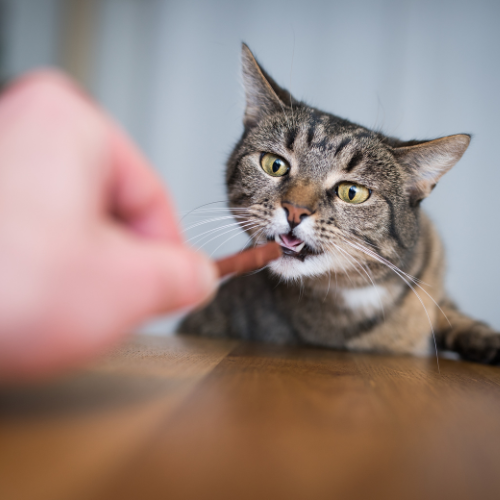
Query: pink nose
{"points": [[295, 214]]}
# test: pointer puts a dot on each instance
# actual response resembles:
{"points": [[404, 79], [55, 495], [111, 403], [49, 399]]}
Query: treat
{"points": [[249, 260]]}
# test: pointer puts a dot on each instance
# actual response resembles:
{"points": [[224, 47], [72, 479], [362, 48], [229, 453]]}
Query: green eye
{"points": [[274, 165], [352, 193]]}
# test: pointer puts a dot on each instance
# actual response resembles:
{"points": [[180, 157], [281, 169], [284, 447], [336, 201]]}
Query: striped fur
{"points": [[372, 278]]}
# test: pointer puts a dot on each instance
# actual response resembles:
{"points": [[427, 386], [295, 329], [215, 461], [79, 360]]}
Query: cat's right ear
{"points": [[263, 94], [427, 161]]}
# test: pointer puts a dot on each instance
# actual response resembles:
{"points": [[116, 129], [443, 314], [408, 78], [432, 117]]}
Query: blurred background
{"points": [[168, 71]]}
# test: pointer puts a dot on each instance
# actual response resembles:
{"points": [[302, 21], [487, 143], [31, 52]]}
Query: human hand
{"points": [[89, 243]]}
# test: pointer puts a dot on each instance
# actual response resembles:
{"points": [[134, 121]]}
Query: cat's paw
{"points": [[480, 344]]}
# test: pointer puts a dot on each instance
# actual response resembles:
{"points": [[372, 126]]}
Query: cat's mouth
{"points": [[293, 246]]}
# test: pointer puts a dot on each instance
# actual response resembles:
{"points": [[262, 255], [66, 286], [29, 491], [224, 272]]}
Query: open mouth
{"points": [[293, 246]]}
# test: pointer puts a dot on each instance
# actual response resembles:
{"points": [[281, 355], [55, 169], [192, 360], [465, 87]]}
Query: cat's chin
{"points": [[290, 268]]}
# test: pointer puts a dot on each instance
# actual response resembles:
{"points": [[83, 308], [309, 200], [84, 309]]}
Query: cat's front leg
{"points": [[472, 340]]}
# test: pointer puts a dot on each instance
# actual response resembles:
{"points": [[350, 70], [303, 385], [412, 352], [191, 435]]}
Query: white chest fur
{"points": [[367, 299]]}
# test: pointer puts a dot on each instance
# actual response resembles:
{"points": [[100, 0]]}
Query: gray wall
{"points": [[169, 72]]}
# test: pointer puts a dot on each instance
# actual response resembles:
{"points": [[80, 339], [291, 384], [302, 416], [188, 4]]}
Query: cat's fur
{"points": [[372, 275]]}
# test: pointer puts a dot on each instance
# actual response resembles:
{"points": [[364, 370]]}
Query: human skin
{"points": [[89, 243]]}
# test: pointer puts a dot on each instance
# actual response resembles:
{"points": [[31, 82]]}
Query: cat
{"points": [[362, 266]]}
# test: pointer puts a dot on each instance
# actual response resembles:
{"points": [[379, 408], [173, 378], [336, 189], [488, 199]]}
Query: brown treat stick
{"points": [[249, 260]]}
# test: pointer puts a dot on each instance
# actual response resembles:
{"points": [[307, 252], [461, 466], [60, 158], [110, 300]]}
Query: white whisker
{"points": [[403, 276], [214, 219], [345, 252], [214, 230], [234, 236], [201, 206], [248, 225]]}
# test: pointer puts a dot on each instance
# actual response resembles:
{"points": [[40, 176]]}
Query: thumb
{"points": [[165, 278]]}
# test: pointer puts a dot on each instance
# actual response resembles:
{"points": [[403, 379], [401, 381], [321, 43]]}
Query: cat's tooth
{"points": [[277, 239], [298, 248]]}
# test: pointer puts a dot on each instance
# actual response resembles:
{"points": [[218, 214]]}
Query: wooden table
{"points": [[189, 418]]}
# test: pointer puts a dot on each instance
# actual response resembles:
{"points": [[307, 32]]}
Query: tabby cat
{"points": [[362, 265]]}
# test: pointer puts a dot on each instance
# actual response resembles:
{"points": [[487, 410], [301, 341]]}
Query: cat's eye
{"points": [[352, 193], [274, 165]]}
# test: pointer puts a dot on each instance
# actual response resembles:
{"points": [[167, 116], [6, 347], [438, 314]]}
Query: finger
{"points": [[130, 191], [157, 279], [138, 282], [138, 198]]}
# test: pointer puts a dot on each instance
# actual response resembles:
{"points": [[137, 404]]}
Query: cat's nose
{"points": [[295, 214]]}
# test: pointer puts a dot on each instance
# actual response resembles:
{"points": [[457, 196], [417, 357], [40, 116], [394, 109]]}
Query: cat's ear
{"points": [[263, 94], [427, 161]]}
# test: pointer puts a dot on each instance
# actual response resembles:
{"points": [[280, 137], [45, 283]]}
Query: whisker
{"points": [[301, 289], [194, 213], [349, 257], [201, 206], [291, 72], [253, 240], [213, 230], [213, 219], [328, 288], [383, 260], [366, 272], [245, 226], [413, 279], [228, 239], [343, 268], [401, 275]]}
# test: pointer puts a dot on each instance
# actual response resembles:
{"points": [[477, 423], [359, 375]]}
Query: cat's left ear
{"points": [[263, 95], [428, 161]]}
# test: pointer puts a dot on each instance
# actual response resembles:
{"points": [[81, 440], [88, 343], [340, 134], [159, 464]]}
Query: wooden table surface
{"points": [[189, 418]]}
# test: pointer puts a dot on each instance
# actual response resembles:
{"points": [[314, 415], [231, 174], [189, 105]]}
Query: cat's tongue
{"points": [[291, 242]]}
